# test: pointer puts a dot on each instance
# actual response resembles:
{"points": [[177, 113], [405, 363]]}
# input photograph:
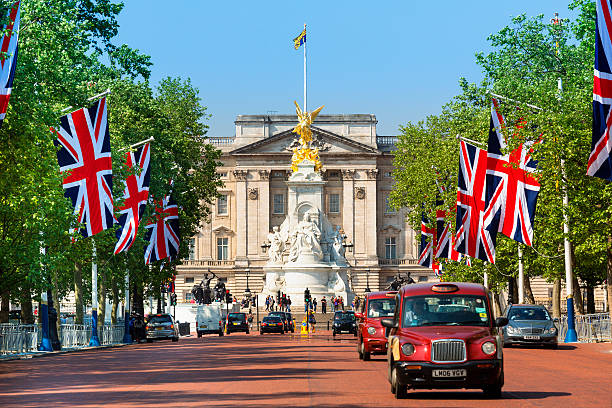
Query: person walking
{"points": [[267, 303], [271, 303], [324, 305], [314, 305], [342, 303], [289, 304], [250, 319]]}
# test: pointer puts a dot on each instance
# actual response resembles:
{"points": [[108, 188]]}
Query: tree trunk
{"points": [[4, 307], [137, 298], [78, 293], [115, 291], [556, 298], [27, 317], [528, 292], [577, 295], [497, 309], [590, 299], [56, 302]]}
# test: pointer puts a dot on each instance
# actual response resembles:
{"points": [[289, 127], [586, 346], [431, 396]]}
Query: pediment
{"points": [[390, 229], [222, 230], [327, 142]]}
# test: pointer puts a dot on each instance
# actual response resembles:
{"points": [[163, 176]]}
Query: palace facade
{"points": [[357, 168]]}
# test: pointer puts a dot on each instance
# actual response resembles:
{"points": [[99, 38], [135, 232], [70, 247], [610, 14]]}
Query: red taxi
{"points": [[443, 335], [371, 333]]}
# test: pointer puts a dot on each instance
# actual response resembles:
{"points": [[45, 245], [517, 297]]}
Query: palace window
{"points": [[388, 208], [222, 174], [192, 249], [390, 248], [188, 297], [222, 249], [222, 204], [278, 206], [333, 174], [189, 279], [334, 203]]}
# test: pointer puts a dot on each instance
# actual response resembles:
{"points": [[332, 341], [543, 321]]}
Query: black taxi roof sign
{"points": [[445, 288]]}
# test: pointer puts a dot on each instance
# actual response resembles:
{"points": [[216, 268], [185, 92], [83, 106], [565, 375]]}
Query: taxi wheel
{"points": [[399, 390], [260, 333], [199, 334], [334, 333], [175, 339], [247, 332], [220, 334], [360, 350], [366, 355]]}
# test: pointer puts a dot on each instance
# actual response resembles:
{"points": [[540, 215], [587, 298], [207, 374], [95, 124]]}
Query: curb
{"points": [[38, 354]]}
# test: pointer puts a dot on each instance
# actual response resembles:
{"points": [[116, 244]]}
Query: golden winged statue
{"points": [[305, 151]]}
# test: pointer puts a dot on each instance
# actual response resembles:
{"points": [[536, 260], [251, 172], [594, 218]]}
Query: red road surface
{"points": [[275, 370]]}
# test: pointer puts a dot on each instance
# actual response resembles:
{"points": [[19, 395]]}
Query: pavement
{"points": [[286, 370]]}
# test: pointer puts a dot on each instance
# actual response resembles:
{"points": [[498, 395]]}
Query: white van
{"points": [[208, 318]]}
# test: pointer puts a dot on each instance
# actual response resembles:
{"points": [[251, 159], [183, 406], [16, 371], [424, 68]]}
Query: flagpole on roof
{"points": [[305, 77]]}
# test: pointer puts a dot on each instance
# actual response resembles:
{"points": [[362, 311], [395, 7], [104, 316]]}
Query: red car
{"points": [[443, 335], [371, 333]]}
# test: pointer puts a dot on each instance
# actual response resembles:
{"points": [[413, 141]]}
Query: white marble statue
{"points": [[277, 246], [306, 237], [338, 247], [336, 283]]}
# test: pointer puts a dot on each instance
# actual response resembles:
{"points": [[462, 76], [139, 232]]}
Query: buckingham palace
{"points": [[357, 175]]}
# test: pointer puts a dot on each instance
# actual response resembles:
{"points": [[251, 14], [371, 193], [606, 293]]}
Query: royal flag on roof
{"points": [[163, 235], [600, 160], [135, 196], [472, 238], [511, 189], [300, 39], [8, 57], [84, 156]]}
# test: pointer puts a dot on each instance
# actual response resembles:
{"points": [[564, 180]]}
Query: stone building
{"points": [[256, 164]]}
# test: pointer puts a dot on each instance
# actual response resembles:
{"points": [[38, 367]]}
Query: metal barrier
{"points": [[24, 338], [18, 338], [591, 328]]}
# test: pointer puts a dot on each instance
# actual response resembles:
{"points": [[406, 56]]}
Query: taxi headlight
{"points": [[552, 330], [488, 347], [408, 349], [372, 330], [511, 330]]}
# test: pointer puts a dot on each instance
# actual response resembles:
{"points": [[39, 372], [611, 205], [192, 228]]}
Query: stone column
{"points": [[264, 208], [348, 209], [371, 215], [241, 240]]}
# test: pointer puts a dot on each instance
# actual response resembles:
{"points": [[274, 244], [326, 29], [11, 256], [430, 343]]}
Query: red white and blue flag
{"points": [[8, 57], [163, 234], [511, 189], [135, 197], [428, 238], [471, 237], [600, 160], [84, 156]]}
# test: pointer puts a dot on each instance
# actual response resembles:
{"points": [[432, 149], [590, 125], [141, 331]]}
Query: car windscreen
{"points": [[160, 319], [345, 317], [236, 317], [443, 310], [528, 313], [381, 307]]}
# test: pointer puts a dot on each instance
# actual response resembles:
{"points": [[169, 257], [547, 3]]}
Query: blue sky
{"points": [[400, 60]]}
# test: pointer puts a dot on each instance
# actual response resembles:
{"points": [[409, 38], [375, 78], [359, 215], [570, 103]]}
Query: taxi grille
{"points": [[448, 351], [532, 330]]}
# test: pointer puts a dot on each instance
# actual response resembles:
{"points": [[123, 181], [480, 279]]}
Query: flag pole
{"points": [[305, 80], [521, 276]]}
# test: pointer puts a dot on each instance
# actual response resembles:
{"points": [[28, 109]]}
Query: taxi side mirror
{"points": [[501, 321], [389, 323]]}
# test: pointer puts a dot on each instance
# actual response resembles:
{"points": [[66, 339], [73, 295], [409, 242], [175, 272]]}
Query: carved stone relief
{"points": [[348, 174], [241, 175], [360, 193], [264, 174], [253, 193], [372, 174]]}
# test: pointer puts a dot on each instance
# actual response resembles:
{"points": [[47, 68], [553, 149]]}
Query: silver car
{"points": [[529, 324], [161, 326]]}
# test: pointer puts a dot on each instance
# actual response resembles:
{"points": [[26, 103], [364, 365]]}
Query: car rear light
{"points": [[172, 326]]}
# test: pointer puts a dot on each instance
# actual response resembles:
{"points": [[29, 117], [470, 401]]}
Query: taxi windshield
{"points": [[381, 307], [445, 310]]}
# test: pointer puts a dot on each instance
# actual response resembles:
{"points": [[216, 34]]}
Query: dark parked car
{"points": [[272, 324], [529, 324], [161, 326], [236, 322], [287, 320], [344, 322]]}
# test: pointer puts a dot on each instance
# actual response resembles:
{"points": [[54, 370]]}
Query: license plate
{"points": [[449, 373], [203, 326], [158, 328], [236, 324], [532, 337]]}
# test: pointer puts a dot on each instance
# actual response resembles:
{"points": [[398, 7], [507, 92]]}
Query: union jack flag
{"points": [[427, 245], [84, 156], [511, 189], [471, 237], [8, 58], [600, 161], [163, 233], [136, 194]]}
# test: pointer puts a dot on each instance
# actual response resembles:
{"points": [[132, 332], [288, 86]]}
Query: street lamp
{"points": [[247, 291], [367, 289], [265, 246], [348, 245]]}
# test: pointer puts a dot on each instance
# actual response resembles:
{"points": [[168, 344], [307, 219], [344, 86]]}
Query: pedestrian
{"points": [[250, 319], [138, 328], [267, 303], [288, 303], [271, 303], [324, 305], [342, 303], [131, 326], [314, 305]]}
